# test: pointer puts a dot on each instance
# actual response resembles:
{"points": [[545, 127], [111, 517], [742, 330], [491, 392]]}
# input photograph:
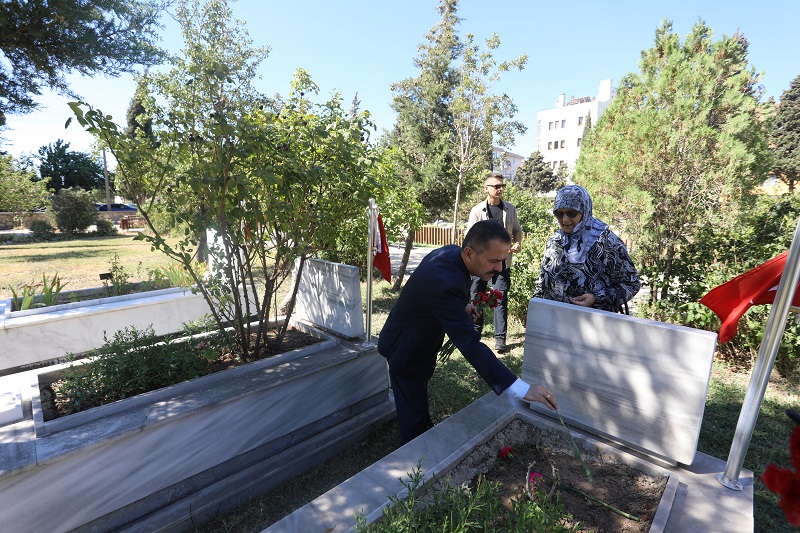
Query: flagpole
{"points": [[373, 230], [767, 351]]}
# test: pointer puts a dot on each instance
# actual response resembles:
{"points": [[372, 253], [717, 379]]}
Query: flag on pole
{"points": [[733, 298], [381, 260]]}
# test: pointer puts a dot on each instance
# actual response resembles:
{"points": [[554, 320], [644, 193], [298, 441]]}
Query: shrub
{"points": [[74, 210], [130, 363], [41, 229], [105, 228]]}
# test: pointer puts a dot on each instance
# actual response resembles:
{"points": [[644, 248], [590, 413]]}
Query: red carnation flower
{"points": [[786, 482], [505, 451]]}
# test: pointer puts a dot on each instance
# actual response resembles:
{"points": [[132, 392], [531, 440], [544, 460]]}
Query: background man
{"points": [[504, 213], [435, 301]]}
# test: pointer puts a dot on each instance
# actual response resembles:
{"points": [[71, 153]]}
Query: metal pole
{"points": [[776, 323], [373, 230]]}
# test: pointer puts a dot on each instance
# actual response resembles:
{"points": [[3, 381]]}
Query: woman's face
{"points": [[568, 219]]}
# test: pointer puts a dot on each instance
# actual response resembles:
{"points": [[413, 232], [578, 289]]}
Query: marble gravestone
{"points": [[637, 381], [329, 297]]}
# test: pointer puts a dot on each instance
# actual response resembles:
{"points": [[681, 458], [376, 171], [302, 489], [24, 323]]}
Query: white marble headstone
{"points": [[638, 381], [329, 296]]}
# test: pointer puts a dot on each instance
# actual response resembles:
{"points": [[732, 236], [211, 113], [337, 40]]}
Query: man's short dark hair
{"points": [[483, 232], [494, 175]]}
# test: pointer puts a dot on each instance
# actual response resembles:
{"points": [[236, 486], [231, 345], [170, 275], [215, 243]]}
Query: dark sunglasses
{"points": [[496, 187], [570, 214]]}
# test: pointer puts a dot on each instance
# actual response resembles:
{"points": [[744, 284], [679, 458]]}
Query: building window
{"points": [[564, 123], [555, 145], [579, 142], [580, 121], [556, 125], [551, 125], [562, 144], [550, 145]]}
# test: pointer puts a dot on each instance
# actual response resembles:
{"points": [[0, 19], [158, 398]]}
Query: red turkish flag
{"points": [[733, 298], [381, 260]]}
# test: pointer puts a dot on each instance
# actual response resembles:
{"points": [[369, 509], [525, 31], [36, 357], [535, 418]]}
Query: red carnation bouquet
{"points": [[483, 300]]}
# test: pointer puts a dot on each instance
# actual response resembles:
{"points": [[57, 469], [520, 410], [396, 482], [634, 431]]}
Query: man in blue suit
{"points": [[435, 301]]}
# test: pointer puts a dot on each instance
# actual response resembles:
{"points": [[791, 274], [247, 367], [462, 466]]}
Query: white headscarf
{"points": [[578, 243]]}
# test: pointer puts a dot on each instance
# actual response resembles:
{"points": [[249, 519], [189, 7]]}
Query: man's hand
{"points": [[515, 248], [539, 393], [584, 300], [472, 311]]}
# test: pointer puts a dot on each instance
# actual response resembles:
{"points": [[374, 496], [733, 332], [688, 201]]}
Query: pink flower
{"points": [[534, 478]]}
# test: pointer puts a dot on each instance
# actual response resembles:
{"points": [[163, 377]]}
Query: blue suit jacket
{"points": [[430, 305]]}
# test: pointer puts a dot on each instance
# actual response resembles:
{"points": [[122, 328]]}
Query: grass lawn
{"points": [[454, 385], [77, 262]]}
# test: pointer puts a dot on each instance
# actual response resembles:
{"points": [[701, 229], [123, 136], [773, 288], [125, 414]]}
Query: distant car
{"points": [[116, 207]]}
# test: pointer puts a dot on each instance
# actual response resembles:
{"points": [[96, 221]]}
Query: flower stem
{"points": [[575, 450], [618, 511]]}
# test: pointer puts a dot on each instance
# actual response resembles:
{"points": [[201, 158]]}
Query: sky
{"points": [[363, 46]]}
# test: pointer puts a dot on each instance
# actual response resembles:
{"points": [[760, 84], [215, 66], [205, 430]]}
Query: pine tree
{"points": [[785, 137], [535, 175]]}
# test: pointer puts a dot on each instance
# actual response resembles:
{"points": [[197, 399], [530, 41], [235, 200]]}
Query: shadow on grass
{"points": [[769, 444]]}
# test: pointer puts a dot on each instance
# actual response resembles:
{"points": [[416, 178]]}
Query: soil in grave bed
{"points": [[54, 406], [616, 484]]}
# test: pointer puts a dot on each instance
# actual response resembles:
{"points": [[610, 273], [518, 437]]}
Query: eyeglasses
{"points": [[570, 214], [497, 186]]}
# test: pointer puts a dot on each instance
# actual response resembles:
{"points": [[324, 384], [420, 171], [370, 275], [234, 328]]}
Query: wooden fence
{"points": [[437, 235]]}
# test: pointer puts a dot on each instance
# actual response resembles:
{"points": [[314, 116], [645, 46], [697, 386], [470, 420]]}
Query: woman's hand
{"points": [[586, 299]]}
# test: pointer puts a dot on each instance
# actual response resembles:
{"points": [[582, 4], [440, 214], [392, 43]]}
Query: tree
{"points": [[561, 177], [535, 175], [421, 136], [19, 188], [682, 146], [785, 136], [64, 169], [273, 186], [479, 116], [43, 41]]}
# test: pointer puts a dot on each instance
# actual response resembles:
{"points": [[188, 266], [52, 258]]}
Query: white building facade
{"points": [[560, 129], [506, 163]]}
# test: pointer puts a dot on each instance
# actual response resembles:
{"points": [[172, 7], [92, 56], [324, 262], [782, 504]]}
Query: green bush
{"points": [[74, 210], [105, 228], [41, 229], [131, 363]]}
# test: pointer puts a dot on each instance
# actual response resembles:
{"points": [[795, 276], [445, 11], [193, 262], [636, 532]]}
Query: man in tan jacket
{"points": [[494, 208]]}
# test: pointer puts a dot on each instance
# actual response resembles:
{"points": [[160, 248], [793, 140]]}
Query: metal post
{"points": [[371, 249], [773, 331]]}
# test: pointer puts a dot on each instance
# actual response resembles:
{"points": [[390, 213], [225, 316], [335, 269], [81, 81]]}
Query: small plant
{"points": [[177, 275], [23, 301], [440, 506], [105, 228], [119, 279], [41, 229], [132, 362], [51, 289]]}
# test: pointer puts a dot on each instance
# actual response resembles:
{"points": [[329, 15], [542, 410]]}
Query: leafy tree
{"points": [[273, 186], [43, 41], [681, 147], [19, 188], [786, 136], [479, 116], [61, 168], [423, 158], [561, 176], [535, 175], [74, 210]]}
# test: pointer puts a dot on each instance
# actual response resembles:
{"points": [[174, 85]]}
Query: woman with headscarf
{"points": [[584, 262]]}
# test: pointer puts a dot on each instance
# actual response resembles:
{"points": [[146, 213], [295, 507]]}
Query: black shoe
{"points": [[501, 347]]}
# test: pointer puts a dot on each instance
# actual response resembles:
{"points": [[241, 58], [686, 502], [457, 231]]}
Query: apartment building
{"points": [[505, 162], [560, 129]]}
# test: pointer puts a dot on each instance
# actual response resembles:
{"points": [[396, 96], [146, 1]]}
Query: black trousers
{"points": [[411, 404], [502, 282]]}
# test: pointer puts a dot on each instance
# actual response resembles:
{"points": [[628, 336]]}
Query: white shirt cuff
{"points": [[519, 388]]}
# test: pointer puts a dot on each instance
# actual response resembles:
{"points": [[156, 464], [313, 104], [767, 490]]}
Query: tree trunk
{"points": [[401, 271], [453, 239]]}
